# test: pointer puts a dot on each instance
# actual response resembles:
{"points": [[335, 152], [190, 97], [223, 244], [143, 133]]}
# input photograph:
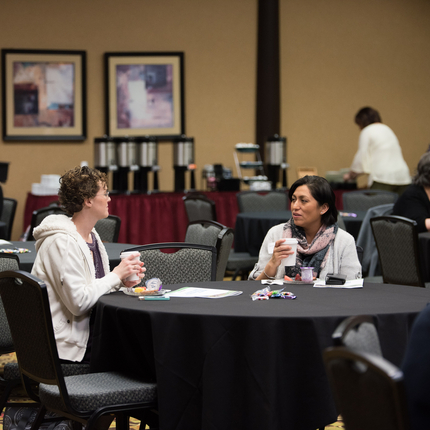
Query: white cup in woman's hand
{"points": [[134, 276]]}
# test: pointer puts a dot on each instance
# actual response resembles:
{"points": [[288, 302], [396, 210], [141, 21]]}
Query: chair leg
{"points": [[122, 421], [235, 274], [39, 418]]}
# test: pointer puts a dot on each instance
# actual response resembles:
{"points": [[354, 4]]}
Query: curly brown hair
{"points": [[78, 184]]}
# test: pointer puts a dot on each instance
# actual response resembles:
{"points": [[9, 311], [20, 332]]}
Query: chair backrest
{"points": [[252, 201], [340, 222], [215, 234], [368, 390], [191, 263], [365, 239], [360, 253], [8, 215], [397, 242], [359, 334], [108, 228], [40, 214], [362, 200], [7, 262], [26, 303], [198, 206]]}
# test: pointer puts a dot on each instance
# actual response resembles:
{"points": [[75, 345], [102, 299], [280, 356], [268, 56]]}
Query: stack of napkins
{"points": [[355, 283]]}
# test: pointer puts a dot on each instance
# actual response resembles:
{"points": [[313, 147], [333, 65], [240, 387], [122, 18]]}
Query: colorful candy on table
{"points": [[267, 293], [15, 251]]}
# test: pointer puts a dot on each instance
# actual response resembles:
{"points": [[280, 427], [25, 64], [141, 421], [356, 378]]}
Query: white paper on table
{"points": [[272, 282], [5, 242], [203, 293], [355, 283]]}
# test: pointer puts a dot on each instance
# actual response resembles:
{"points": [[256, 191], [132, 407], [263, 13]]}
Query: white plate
{"points": [[145, 293], [299, 282]]}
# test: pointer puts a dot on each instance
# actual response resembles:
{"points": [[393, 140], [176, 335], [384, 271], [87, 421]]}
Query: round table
{"points": [[237, 363]]}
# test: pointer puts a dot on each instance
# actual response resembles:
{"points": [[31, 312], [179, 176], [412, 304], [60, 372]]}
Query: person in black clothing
{"points": [[414, 203], [416, 371]]}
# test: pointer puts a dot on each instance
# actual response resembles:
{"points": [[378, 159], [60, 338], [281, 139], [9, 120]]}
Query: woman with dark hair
{"points": [[414, 203], [379, 154], [321, 244]]}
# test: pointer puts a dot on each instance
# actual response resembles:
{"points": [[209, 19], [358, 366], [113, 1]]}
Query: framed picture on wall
{"points": [[145, 94], [44, 95]]}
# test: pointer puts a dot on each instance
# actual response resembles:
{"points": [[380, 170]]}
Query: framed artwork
{"points": [[44, 95], [145, 94]]}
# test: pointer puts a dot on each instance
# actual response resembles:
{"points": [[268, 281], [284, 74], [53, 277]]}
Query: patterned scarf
{"points": [[314, 255]]}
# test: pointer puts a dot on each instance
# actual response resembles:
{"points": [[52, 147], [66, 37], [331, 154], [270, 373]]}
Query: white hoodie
{"points": [[65, 264]]}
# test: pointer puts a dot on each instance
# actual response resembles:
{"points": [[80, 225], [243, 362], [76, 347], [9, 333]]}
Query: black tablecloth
{"points": [[252, 227], [237, 364], [26, 260]]}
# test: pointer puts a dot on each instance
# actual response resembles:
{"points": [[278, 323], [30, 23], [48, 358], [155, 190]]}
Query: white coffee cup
{"points": [[291, 260], [134, 276]]}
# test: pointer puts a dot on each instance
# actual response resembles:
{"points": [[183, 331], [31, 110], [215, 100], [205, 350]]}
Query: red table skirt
{"points": [[154, 218], [158, 217]]}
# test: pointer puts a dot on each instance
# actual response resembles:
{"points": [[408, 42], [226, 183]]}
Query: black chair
{"points": [[199, 207], [11, 375], [252, 201], [108, 228], [365, 239], [191, 263], [359, 334], [397, 242], [82, 398], [362, 200], [368, 390], [40, 214], [215, 234], [8, 215]]}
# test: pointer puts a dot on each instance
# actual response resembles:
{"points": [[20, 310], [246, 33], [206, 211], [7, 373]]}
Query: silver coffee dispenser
{"points": [[275, 159], [105, 157], [147, 160], [126, 155], [183, 160]]}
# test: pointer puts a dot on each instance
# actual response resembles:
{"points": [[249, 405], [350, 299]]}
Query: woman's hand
{"points": [[129, 266], [280, 252]]}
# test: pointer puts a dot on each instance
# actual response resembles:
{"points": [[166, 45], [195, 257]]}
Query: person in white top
{"points": [[379, 154]]}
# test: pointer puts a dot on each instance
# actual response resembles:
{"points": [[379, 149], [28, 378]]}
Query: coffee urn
{"points": [[105, 157], [126, 155], [147, 160], [183, 160], [275, 159]]}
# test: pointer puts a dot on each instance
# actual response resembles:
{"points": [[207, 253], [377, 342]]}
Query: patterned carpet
{"points": [[134, 424]]}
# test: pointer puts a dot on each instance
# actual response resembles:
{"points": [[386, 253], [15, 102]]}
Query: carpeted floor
{"points": [[134, 424]]}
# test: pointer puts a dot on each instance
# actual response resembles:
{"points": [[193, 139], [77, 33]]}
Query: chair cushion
{"points": [[11, 371], [92, 391], [240, 260]]}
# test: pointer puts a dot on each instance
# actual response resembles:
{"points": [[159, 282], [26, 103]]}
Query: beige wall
{"points": [[336, 56]]}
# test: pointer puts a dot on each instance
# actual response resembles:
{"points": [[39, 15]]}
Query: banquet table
{"points": [[234, 363], [252, 227], [150, 218], [26, 260]]}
